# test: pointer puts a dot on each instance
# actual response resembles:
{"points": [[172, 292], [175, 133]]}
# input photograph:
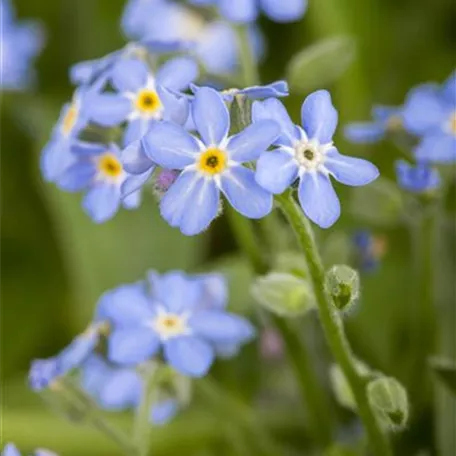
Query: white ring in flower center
{"points": [[308, 154], [168, 325]]}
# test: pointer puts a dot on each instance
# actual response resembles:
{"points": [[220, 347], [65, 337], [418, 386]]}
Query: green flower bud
{"points": [[389, 398], [283, 294], [342, 283], [340, 386]]}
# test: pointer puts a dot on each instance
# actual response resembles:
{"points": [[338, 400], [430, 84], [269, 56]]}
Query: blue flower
{"points": [[209, 165], [419, 178], [212, 43], [143, 98], [247, 10], [430, 113], [43, 372], [120, 388], [386, 119], [56, 156], [176, 316], [97, 169], [308, 154], [11, 450], [369, 250], [20, 44]]}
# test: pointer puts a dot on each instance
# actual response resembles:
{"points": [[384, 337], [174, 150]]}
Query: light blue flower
{"points": [[419, 178], [97, 170], [308, 154], [56, 156], [369, 250], [248, 10], [119, 388], [142, 98], [386, 119], [430, 113], [209, 165], [175, 316], [20, 44], [214, 43], [11, 450], [42, 373]]}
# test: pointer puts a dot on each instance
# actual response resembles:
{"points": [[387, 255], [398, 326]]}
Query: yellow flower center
{"points": [[70, 119], [453, 123], [394, 123], [148, 101], [213, 161], [110, 166], [169, 325]]}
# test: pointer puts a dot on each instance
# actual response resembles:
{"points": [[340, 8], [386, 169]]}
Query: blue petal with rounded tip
{"points": [[284, 10], [129, 75], [177, 73], [276, 171], [176, 107], [136, 129], [319, 117], [239, 186], [417, 178], [85, 149], [120, 390], [318, 199], [77, 177], [56, 158], [102, 202], [10, 450], [275, 89], [134, 182], [164, 411], [134, 159], [437, 147], [448, 91], [364, 132], [239, 10], [109, 109], [132, 200]]}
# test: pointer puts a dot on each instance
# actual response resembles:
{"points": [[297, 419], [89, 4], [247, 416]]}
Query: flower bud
{"points": [[163, 181], [283, 294], [389, 398], [342, 283]]}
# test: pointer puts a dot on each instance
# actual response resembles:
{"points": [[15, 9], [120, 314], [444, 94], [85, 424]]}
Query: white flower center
{"points": [[308, 154], [168, 325]]}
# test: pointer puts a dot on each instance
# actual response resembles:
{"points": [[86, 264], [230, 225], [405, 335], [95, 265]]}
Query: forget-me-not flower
{"points": [[209, 165], [142, 97], [97, 169], [369, 250], [430, 113], [20, 43], [11, 450], [418, 178], [385, 119], [175, 316], [309, 154], [248, 10]]}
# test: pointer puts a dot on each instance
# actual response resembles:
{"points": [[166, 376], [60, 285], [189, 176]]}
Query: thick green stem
{"points": [[332, 325]]}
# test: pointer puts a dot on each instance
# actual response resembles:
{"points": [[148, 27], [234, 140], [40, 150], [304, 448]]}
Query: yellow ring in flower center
{"points": [[70, 119], [148, 101], [212, 161], [453, 123], [109, 165]]}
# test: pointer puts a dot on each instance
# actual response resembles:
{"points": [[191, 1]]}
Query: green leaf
{"points": [[445, 370], [320, 64]]}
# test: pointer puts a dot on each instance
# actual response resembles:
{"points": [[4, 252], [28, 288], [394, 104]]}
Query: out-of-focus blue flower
{"points": [[369, 250], [213, 43], [308, 154], [20, 43], [247, 10], [97, 169], [119, 388], [419, 178], [176, 315], [209, 165], [386, 119], [430, 113], [143, 98], [42, 373], [56, 156], [11, 450]]}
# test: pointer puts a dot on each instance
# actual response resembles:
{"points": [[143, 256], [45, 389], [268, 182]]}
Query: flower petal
{"points": [[364, 132], [449, 89], [102, 202], [132, 200], [129, 75], [211, 116], [242, 191], [318, 199], [273, 109], [189, 355], [239, 10], [221, 327], [134, 159], [109, 109], [214, 291], [177, 73], [121, 390], [276, 171], [349, 170], [164, 411], [135, 130], [56, 158], [86, 149], [170, 146], [127, 305], [77, 177], [319, 117], [134, 182], [176, 109], [130, 346], [191, 203], [253, 141], [437, 148], [285, 10]]}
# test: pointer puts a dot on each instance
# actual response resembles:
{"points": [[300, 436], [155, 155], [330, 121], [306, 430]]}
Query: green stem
{"points": [[332, 325], [248, 64]]}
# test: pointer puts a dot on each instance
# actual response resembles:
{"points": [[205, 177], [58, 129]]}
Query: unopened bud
{"points": [[283, 294], [163, 181], [342, 283], [389, 398]]}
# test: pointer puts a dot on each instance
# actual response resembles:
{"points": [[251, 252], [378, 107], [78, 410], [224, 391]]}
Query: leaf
{"points": [[445, 370], [320, 64]]}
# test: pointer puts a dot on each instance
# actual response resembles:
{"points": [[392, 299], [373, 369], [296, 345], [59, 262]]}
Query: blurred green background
{"points": [[56, 262]]}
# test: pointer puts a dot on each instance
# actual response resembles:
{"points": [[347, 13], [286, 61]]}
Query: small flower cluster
{"points": [[20, 43], [174, 317], [429, 116]]}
